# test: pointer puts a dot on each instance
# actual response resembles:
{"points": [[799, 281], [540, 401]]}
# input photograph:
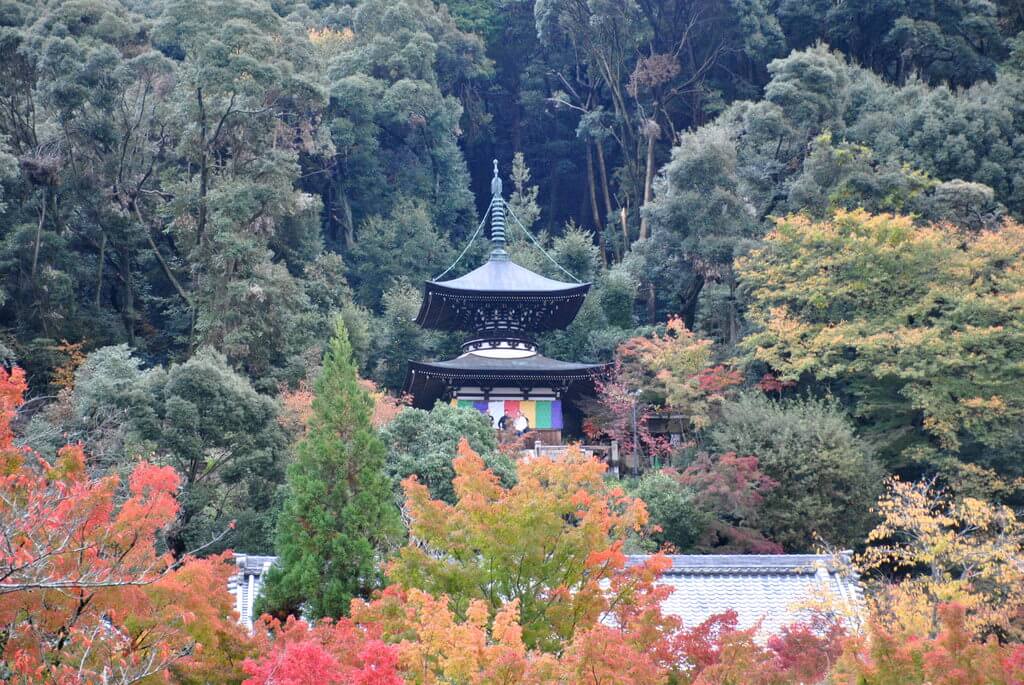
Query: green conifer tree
{"points": [[339, 514]]}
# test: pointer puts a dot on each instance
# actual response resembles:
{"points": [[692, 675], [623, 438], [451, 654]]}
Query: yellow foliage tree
{"points": [[964, 551], [921, 327]]}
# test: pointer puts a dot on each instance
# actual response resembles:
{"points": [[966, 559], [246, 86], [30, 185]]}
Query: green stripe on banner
{"points": [[465, 404], [544, 414]]}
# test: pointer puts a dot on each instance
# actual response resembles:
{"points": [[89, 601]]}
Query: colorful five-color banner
{"points": [[542, 414]]}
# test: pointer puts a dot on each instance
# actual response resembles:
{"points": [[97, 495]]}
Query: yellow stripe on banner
{"points": [[529, 409]]}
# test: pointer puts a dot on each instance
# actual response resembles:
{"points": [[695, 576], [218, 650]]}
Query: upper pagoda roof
{"points": [[500, 296], [506, 276], [527, 301]]}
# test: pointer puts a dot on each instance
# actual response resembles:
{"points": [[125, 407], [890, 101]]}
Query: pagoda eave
{"points": [[429, 381], [451, 309]]}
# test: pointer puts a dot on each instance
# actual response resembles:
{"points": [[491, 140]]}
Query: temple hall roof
{"points": [[773, 589], [768, 588]]}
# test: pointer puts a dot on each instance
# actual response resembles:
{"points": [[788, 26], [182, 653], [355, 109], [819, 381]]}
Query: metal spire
{"points": [[497, 218]]}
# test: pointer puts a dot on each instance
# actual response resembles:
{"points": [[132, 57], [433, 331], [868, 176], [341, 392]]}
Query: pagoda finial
{"points": [[496, 181], [497, 218]]}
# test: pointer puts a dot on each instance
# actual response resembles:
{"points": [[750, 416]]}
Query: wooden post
{"points": [[632, 462]]}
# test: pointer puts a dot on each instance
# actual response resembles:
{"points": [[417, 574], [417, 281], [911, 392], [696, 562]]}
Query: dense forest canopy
{"points": [[186, 174], [193, 191], [804, 227]]}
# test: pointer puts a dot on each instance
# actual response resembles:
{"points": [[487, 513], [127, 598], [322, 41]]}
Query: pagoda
{"points": [[501, 371]]}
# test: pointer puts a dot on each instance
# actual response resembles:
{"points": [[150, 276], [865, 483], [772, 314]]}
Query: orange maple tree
{"points": [[553, 544], [526, 584], [297, 406], [552, 541], [952, 657], [85, 596], [670, 368]]}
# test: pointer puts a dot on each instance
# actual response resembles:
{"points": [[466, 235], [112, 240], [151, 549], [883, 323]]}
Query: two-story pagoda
{"points": [[500, 371]]}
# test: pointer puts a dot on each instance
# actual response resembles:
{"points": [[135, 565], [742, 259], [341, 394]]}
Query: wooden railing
{"points": [[608, 453]]}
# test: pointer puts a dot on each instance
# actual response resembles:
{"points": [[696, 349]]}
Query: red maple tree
{"points": [[85, 596]]}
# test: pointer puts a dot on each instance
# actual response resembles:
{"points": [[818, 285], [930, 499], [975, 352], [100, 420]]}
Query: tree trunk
{"points": [[204, 170], [127, 295], [648, 183], [624, 219], [598, 224], [734, 317], [688, 300], [39, 237], [606, 195], [346, 221], [160, 258], [99, 269], [652, 303]]}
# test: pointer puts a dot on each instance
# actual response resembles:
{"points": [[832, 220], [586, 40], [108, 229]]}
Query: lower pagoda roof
{"points": [[428, 381]]}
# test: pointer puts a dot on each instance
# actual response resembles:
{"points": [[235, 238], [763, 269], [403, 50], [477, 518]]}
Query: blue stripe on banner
{"points": [[556, 415]]}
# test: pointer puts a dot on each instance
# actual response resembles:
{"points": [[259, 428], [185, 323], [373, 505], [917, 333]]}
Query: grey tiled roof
{"points": [[502, 283], [771, 588]]}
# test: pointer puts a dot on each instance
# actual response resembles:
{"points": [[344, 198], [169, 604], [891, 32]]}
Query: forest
{"points": [[802, 222]]}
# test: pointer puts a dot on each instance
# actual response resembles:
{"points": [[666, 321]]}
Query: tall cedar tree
{"points": [[339, 513]]}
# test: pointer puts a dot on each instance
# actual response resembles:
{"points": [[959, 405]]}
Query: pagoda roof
{"points": [[506, 276], [554, 303], [427, 381]]}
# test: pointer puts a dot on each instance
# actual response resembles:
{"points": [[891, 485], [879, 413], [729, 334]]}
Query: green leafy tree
{"points": [[699, 218], [636, 73], [421, 443], [158, 204], [827, 135], [241, 74], [523, 200], [339, 513], [827, 479], [82, 81], [397, 338], [403, 245], [916, 326], [959, 43], [222, 437], [616, 292], [99, 411], [679, 520], [330, 295], [394, 75], [200, 417], [575, 252]]}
